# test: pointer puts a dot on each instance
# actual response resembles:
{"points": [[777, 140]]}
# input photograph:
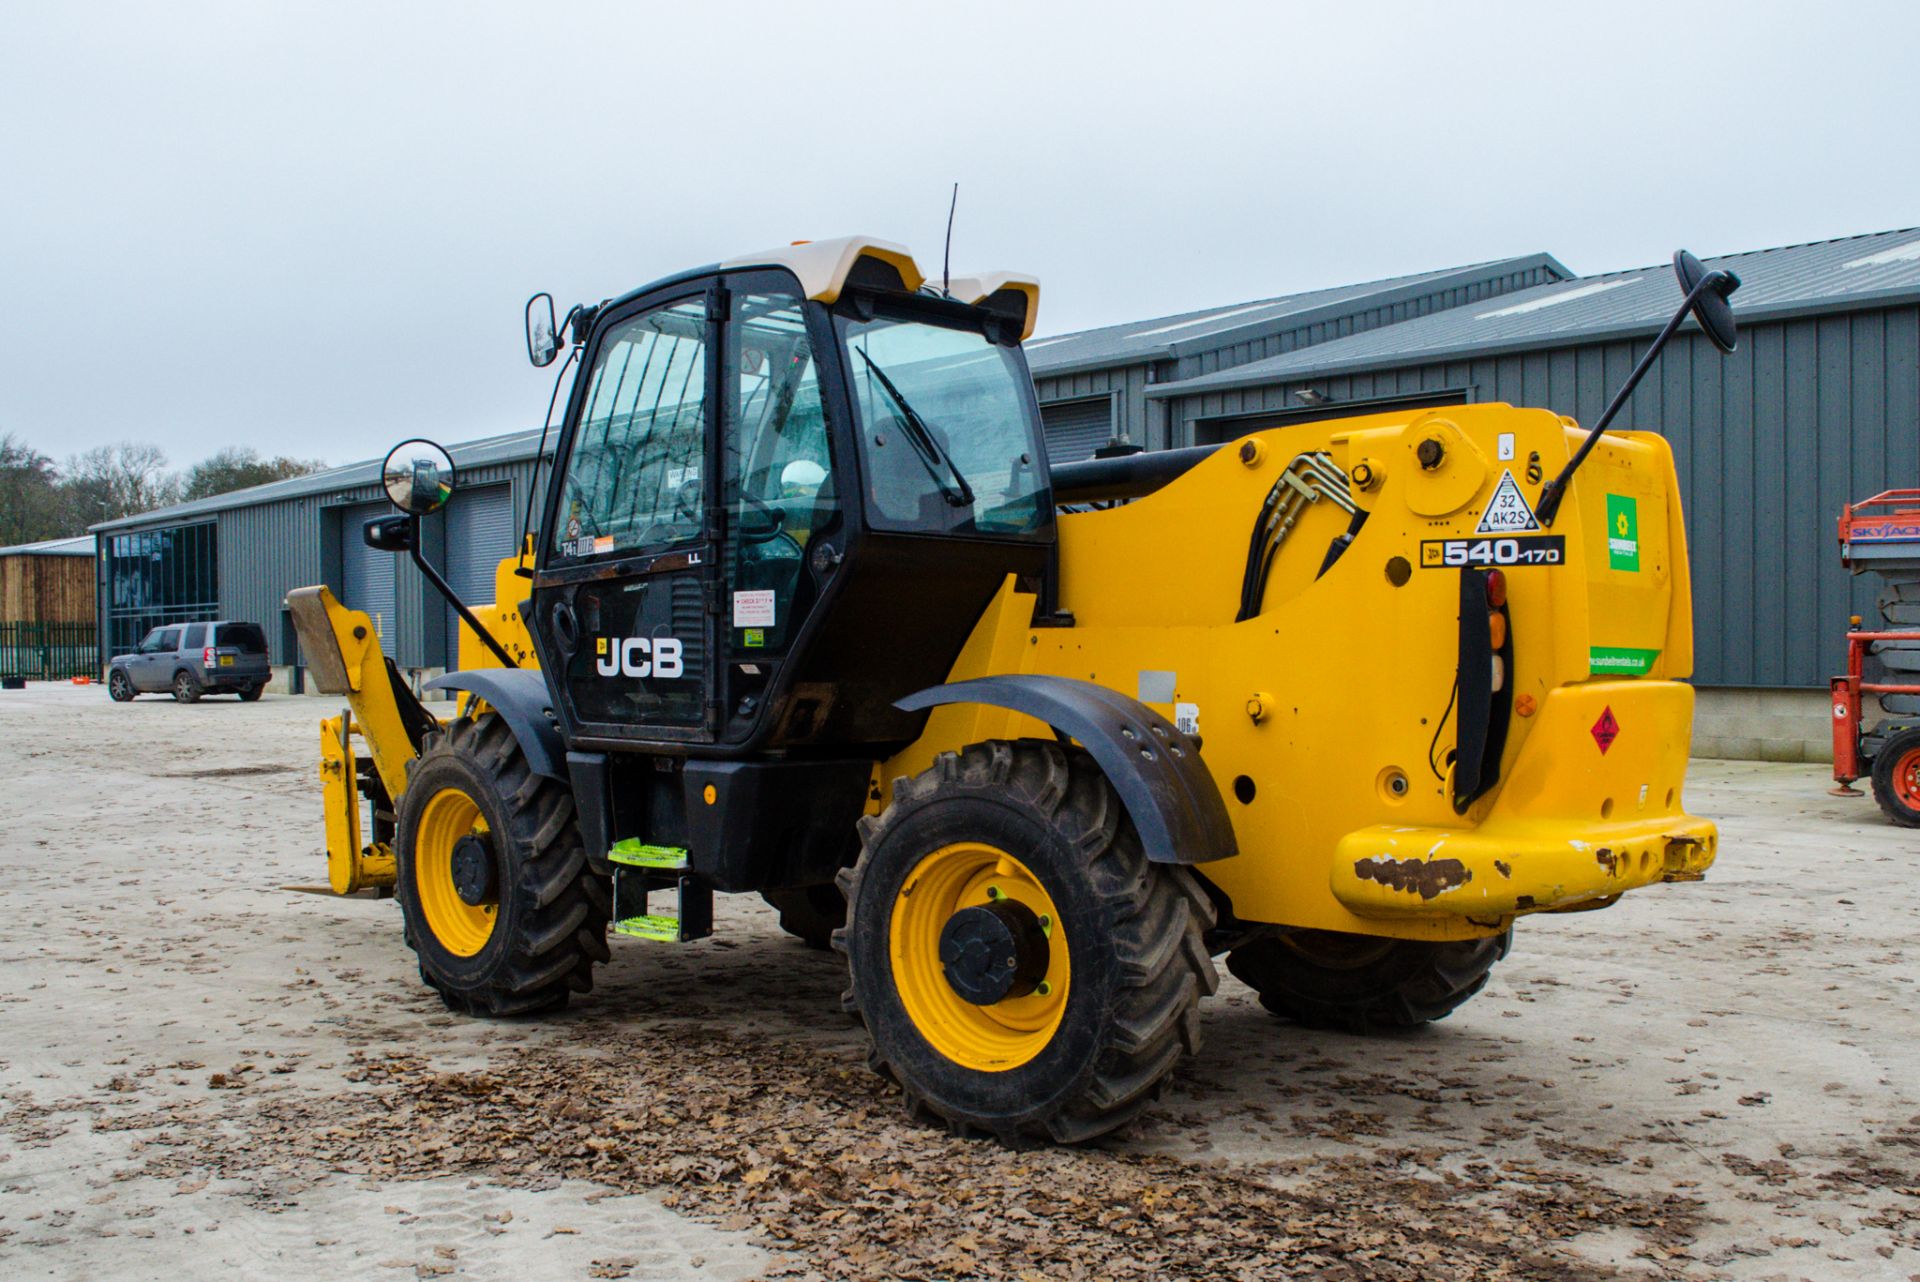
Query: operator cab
{"points": [[785, 489]]}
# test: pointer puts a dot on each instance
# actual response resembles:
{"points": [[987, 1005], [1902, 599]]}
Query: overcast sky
{"points": [[310, 228]]}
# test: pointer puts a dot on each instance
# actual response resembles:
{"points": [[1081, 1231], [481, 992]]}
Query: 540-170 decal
{"points": [[1514, 549]]}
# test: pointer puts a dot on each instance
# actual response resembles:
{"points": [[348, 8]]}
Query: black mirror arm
{"points": [[1556, 490], [446, 590]]}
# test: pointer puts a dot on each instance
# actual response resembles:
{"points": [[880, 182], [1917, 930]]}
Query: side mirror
{"points": [[418, 476], [543, 332], [1710, 306]]}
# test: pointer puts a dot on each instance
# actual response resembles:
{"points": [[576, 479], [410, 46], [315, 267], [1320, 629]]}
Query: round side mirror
{"points": [[543, 333], [418, 476], [1710, 305]]}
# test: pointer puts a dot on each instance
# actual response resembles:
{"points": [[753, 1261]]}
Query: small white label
{"points": [[1506, 446], [1186, 718], [753, 609]]}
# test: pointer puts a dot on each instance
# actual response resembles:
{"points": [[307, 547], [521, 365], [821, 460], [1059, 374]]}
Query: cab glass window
{"points": [[634, 475], [779, 478], [946, 428]]}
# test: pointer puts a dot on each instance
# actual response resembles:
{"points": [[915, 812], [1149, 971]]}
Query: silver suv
{"points": [[192, 659]]}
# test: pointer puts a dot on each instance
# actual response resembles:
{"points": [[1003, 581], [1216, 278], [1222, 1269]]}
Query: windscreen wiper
{"points": [[925, 445]]}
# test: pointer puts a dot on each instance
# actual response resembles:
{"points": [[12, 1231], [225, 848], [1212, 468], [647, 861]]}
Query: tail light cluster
{"points": [[1482, 693], [1497, 626], [207, 658]]}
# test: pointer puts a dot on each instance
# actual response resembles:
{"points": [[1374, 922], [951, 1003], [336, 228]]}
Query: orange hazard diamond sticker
{"points": [[1605, 730]]}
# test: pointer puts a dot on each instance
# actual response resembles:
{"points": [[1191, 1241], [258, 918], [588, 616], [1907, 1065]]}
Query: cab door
{"points": [[627, 568], [785, 530]]}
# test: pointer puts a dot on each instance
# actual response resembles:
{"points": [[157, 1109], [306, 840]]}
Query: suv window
{"points": [[196, 637], [247, 638], [634, 475], [169, 640]]}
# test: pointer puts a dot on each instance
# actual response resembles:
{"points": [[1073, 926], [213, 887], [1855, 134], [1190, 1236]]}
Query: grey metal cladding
{"points": [[1216, 328], [488, 452], [1859, 271]]}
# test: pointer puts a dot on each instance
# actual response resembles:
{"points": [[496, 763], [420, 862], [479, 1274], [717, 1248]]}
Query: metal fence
{"points": [[48, 651]]}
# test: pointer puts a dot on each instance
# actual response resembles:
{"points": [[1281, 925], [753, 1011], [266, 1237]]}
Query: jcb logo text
{"points": [[639, 657]]}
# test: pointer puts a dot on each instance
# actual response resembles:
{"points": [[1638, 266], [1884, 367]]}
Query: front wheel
{"points": [[185, 688], [1896, 778], [493, 882], [1362, 983], [1022, 968], [119, 686]]}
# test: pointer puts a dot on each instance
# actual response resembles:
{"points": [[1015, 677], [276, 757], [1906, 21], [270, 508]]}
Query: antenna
{"points": [[946, 259]]}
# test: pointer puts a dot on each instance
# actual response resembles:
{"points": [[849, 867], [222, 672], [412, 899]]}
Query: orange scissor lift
{"points": [[1881, 535]]}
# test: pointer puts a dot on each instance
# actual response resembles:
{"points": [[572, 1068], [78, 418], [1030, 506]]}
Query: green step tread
{"points": [[663, 929], [637, 854]]}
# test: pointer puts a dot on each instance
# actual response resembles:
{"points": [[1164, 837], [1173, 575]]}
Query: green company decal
{"points": [[1623, 532], [1620, 660]]}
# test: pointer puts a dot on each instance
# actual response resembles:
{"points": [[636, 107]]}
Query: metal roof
{"points": [[1164, 337], [1873, 270], [82, 546], [512, 447]]}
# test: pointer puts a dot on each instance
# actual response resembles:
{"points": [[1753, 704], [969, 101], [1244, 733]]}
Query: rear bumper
{"points": [[234, 676], [1572, 825]]}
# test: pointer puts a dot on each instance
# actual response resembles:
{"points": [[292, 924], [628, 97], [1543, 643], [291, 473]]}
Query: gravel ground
{"points": [[205, 1072]]}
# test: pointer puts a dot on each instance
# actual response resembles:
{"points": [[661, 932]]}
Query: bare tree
{"points": [[238, 466], [112, 481], [29, 497]]}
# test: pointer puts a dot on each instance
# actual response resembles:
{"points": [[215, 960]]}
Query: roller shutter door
{"points": [[1075, 429], [480, 531], [367, 575]]}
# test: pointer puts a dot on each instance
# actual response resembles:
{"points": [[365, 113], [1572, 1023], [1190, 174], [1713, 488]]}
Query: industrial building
{"points": [[234, 556], [1820, 406]]}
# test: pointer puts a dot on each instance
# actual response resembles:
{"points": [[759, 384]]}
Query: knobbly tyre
{"points": [[806, 613]]}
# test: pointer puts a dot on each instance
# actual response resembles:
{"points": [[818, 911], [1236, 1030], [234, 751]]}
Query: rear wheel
{"points": [[810, 913], [119, 686], [185, 688], [249, 694], [500, 905], [1896, 778], [1361, 983], [1022, 968]]}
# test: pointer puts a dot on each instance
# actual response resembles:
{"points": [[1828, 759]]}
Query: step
{"points": [[638, 873], [635, 853], [665, 930]]}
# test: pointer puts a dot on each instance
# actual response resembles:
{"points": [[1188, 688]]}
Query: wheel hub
{"points": [[473, 872], [994, 951]]}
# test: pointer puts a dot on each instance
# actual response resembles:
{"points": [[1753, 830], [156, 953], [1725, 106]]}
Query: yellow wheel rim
{"points": [[992, 1038], [462, 928]]}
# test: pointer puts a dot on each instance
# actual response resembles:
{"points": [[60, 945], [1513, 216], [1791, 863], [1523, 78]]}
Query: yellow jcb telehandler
{"points": [[807, 613]]}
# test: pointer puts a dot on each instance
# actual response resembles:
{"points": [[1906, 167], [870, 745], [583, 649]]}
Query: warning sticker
{"points": [[753, 609], [1507, 511], [1605, 730]]}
